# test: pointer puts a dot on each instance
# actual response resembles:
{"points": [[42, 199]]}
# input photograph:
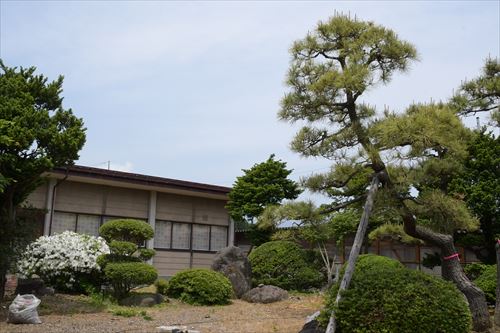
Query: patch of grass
{"points": [[62, 304], [124, 312], [145, 315], [128, 312]]}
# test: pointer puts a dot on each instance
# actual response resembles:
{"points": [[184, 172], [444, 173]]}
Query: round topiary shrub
{"points": [[123, 267], [284, 264], [129, 230], [487, 282], [126, 275], [384, 296], [200, 287], [66, 261]]}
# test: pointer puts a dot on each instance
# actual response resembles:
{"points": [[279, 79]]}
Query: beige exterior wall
{"points": [[173, 207], [87, 198], [210, 211], [38, 198], [126, 202], [170, 262], [79, 198], [202, 260]]}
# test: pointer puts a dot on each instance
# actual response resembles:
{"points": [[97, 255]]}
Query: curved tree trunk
{"points": [[452, 270], [497, 303]]}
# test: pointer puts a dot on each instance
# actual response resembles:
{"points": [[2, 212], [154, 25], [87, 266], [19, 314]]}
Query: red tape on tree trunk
{"points": [[456, 255]]}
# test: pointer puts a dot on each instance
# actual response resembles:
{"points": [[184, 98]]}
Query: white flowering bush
{"points": [[67, 261]]}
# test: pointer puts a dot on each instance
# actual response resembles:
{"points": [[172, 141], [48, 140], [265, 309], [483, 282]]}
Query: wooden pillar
{"points": [[152, 220], [49, 206]]}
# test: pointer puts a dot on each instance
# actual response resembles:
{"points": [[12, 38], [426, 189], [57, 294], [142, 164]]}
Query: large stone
{"points": [[144, 300], [312, 325], [233, 263], [29, 286], [265, 294]]}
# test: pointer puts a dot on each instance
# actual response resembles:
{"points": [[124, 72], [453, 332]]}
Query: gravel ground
{"points": [[239, 317]]}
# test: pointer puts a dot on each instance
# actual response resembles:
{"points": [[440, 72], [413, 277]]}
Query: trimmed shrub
{"points": [[284, 264], [487, 282], [129, 230], [200, 287], [126, 275], [66, 261], [385, 297], [123, 268], [161, 286]]}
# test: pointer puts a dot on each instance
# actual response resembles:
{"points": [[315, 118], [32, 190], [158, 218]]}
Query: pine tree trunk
{"points": [[3, 280], [7, 218], [452, 270], [497, 303], [356, 247]]}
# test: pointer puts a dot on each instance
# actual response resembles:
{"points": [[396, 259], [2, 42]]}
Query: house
{"points": [[189, 219]]}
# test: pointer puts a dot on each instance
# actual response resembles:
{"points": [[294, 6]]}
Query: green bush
{"points": [[284, 264], [474, 270], [126, 275], [200, 287], [146, 254], [161, 286], [128, 230], [386, 297], [124, 268], [487, 282], [122, 248]]}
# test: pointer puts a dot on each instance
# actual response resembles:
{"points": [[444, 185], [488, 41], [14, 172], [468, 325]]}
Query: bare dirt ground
{"points": [[74, 314]]}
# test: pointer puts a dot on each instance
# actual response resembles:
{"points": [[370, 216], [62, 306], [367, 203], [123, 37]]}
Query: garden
{"points": [[103, 284], [419, 175]]}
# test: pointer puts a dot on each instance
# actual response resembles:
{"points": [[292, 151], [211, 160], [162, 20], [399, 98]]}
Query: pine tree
{"points": [[412, 154]]}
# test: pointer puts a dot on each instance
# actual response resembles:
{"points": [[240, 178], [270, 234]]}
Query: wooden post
{"points": [[356, 247]]}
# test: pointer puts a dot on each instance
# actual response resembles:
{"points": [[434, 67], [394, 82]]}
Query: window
{"points": [[189, 236], [201, 237], [88, 224], [163, 234], [181, 235], [62, 222], [218, 238]]}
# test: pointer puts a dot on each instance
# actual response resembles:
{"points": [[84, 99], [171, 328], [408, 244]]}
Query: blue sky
{"points": [[190, 90]]}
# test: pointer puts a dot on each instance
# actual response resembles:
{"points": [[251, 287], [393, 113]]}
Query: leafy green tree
{"points": [[421, 148], [479, 185], [36, 135], [314, 227], [481, 94], [263, 184]]}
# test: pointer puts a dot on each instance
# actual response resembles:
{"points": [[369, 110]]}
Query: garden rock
{"points": [[233, 263], [29, 286], [265, 294], [312, 325], [45, 291], [144, 300], [33, 286]]}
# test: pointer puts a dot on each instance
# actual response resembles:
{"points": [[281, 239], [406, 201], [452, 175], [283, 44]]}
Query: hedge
{"points": [[386, 297], [200, 287], [286, 265]]}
